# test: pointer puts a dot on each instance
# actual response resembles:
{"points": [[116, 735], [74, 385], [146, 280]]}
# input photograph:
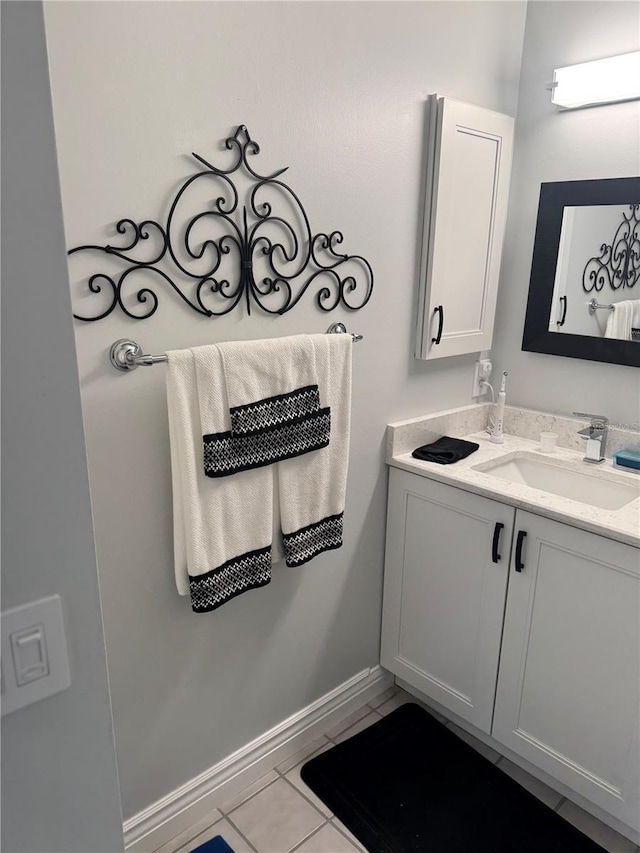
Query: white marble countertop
{"points": [[621, 524]]}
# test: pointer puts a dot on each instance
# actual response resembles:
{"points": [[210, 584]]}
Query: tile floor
{"points": [[279, 814]]}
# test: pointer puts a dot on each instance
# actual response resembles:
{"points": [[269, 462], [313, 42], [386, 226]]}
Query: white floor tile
{"points": [[249, 791], [364, 723], [401, 698], [480, 747], [347, 721], [599, 832], [327, 840], [178, 842], [277, 818], [294, 777], [339, 825], [303, 754], [228, 832], [383, 697], [543, 792]]}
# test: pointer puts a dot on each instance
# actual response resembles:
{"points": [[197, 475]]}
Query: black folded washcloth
{"points": [[445, 450]]}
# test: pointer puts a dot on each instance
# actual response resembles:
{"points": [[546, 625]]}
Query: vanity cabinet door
{"points": [[568, 689], [468, 171], [444, 594]]}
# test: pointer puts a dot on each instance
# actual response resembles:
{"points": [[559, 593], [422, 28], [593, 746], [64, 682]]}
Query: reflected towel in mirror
{"points": [[621, 320]]}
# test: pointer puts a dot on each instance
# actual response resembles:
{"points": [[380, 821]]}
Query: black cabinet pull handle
{"points": [[440, 311], [560, 322], [496, 539], [519, 541]]}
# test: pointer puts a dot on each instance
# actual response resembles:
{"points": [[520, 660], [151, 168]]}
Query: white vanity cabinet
{"points": [[569, 682], [444, 595], [541, 649]]}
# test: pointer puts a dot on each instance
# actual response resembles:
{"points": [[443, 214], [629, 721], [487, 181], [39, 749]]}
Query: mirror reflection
{"points": [[597, 270]]}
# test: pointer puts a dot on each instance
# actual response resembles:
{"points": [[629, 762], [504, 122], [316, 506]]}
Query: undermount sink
{"points": [[606, 492]]}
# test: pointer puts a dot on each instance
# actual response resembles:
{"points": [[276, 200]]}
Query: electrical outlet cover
{"points": [[481, 373]]}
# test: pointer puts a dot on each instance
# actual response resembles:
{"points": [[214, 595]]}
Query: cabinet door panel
{"points": [[568, 689], [444, 596]]}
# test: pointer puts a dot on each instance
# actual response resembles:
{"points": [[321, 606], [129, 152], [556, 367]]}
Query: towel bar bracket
{"points": [[125, 355], [594, 305], [341, 329]]}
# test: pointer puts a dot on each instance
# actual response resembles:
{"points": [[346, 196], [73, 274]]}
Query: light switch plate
{"points": [[34, 653]]}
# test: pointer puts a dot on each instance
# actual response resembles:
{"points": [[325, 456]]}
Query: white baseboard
{"points": [[191, 802]]}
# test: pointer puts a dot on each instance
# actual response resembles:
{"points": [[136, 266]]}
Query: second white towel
{"points": [[312, 487]]}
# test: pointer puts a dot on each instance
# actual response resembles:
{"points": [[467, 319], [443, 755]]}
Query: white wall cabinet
{"points": [[467, 186], [565, 652]]}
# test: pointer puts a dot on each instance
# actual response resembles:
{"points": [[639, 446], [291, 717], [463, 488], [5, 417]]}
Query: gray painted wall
{"points": [[59, 778], [336, 91], [600, 142]]}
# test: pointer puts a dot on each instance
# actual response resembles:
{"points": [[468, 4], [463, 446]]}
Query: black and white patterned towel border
{"points": [[226, 454], [253, 569], [238, 575], [274, 411], [306, 543]]}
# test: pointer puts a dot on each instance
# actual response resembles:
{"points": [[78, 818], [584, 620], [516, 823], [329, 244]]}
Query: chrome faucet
{"points": [[595, 435]]}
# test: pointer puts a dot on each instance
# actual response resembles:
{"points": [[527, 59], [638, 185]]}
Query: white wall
{"points": [[59, 778], [336, 91], [600, 142]]}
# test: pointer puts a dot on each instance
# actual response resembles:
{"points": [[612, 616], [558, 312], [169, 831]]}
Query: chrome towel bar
{"points": [[126, 355], [594, 305]]}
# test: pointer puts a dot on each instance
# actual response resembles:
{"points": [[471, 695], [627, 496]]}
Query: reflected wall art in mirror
{"points": [[584, 292]]}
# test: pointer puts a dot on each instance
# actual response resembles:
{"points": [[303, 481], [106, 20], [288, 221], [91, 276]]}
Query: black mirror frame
{"points": [[554, 197]]}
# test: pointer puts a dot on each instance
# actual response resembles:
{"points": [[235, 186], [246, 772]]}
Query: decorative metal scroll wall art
{"points": [[251, 254], [618, 264]]}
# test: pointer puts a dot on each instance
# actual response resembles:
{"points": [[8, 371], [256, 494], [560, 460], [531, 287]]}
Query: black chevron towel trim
{"points": [[306, 543], [238, 575], [226, 454], [272, 411]]}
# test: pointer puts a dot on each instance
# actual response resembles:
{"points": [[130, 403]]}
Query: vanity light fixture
{"points": [[602, 81]]}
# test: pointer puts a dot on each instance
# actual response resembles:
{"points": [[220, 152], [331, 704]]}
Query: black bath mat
{"points": [[408, 785]]}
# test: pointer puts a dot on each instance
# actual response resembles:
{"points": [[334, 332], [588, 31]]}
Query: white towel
{"points": [[312, 487], [269, 381], [620, 320], [274, 404], [223, 525]]}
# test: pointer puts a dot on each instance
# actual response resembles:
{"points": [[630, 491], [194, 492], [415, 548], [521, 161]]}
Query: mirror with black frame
{"points": [[584, 291]]}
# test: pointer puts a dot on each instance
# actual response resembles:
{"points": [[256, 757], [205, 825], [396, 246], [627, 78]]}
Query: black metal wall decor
{"points": [[269, 260], [618, 263]]}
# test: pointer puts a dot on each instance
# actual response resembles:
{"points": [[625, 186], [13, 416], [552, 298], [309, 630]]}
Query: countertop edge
{"points": [[590, 526]]}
